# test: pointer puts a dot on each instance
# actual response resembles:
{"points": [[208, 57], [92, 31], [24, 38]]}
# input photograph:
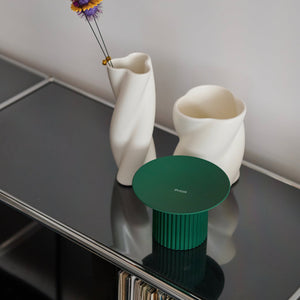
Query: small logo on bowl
{"points": [[180, 191]]}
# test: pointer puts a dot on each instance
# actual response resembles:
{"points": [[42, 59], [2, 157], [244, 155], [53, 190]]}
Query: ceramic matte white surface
{"points": [[209, 121], [132, 121], [248, 48]]}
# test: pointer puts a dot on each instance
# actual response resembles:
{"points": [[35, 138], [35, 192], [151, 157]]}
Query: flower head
{"points": [[88, 8]]}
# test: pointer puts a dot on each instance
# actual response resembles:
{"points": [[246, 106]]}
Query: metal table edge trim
{"points": [[93, 246], [24, 93]]}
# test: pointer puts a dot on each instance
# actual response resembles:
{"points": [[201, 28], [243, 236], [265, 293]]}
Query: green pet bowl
{"points": [[180, 190]]}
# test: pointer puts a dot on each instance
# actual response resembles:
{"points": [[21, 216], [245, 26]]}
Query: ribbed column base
{"points": [[180, 232]]}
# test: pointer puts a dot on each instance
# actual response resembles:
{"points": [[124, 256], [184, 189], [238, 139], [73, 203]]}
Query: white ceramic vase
{"points": [[209, 121], [132, 122]]}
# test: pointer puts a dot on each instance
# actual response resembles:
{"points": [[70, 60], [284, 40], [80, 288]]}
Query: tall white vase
{"points": [[132, 122], [209, 121]]}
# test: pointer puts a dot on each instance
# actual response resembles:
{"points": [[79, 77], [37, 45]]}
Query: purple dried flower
{"points": [[83, 2], [87, 8], [91, 13]]}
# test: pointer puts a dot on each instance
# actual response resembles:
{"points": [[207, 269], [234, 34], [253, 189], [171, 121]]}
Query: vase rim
{"points": [[241, 114], [128, 63]]}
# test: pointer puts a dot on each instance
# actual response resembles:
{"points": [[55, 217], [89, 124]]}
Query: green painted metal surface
{"points": [[180, 232]]}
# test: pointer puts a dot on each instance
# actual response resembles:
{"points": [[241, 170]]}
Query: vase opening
{"points": [[210, 102], [138, 63]]}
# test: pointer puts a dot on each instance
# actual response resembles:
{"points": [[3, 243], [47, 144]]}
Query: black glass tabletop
{"points": [[14, 79], [55, 157]]}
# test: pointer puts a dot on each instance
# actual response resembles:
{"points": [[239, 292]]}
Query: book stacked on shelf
{"points": [[132, 288]]}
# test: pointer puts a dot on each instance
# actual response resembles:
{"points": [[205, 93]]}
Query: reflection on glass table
{"points": [[131, 223], [222, 223]]}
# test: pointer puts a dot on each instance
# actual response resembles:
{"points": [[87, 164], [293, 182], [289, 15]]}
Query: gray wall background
{"points": [[249, 47]]}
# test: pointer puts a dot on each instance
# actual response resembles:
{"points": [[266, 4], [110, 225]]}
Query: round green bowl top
{"points": [[181, 185]]}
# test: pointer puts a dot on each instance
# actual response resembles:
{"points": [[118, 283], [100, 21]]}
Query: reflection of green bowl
{"points": [[191, 269], [185, 268], [180, 190]]}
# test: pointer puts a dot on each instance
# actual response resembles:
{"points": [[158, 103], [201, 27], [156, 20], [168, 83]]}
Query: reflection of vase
{"points": [[132, 122], [131, 223], [222, 223], [209, 121]]}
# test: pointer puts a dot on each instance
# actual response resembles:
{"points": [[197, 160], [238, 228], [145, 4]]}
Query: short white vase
{"points": [[209, 121], [132, 122]]}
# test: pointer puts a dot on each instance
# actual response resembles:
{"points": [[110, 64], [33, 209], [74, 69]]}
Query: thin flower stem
{"points": [[102, 39], [95, 35]]}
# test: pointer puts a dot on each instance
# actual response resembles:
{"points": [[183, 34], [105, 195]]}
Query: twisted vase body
{"points": [[132, 122], [209, 121]]}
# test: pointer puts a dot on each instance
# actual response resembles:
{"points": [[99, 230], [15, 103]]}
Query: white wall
{"points": [[250, 47]]}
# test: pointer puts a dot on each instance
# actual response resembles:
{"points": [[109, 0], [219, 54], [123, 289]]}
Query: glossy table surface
{"points": [[56, 165], [14, 79]]}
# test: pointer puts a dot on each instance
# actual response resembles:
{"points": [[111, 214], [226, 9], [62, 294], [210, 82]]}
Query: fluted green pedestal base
{"points": [[180, 232]]}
